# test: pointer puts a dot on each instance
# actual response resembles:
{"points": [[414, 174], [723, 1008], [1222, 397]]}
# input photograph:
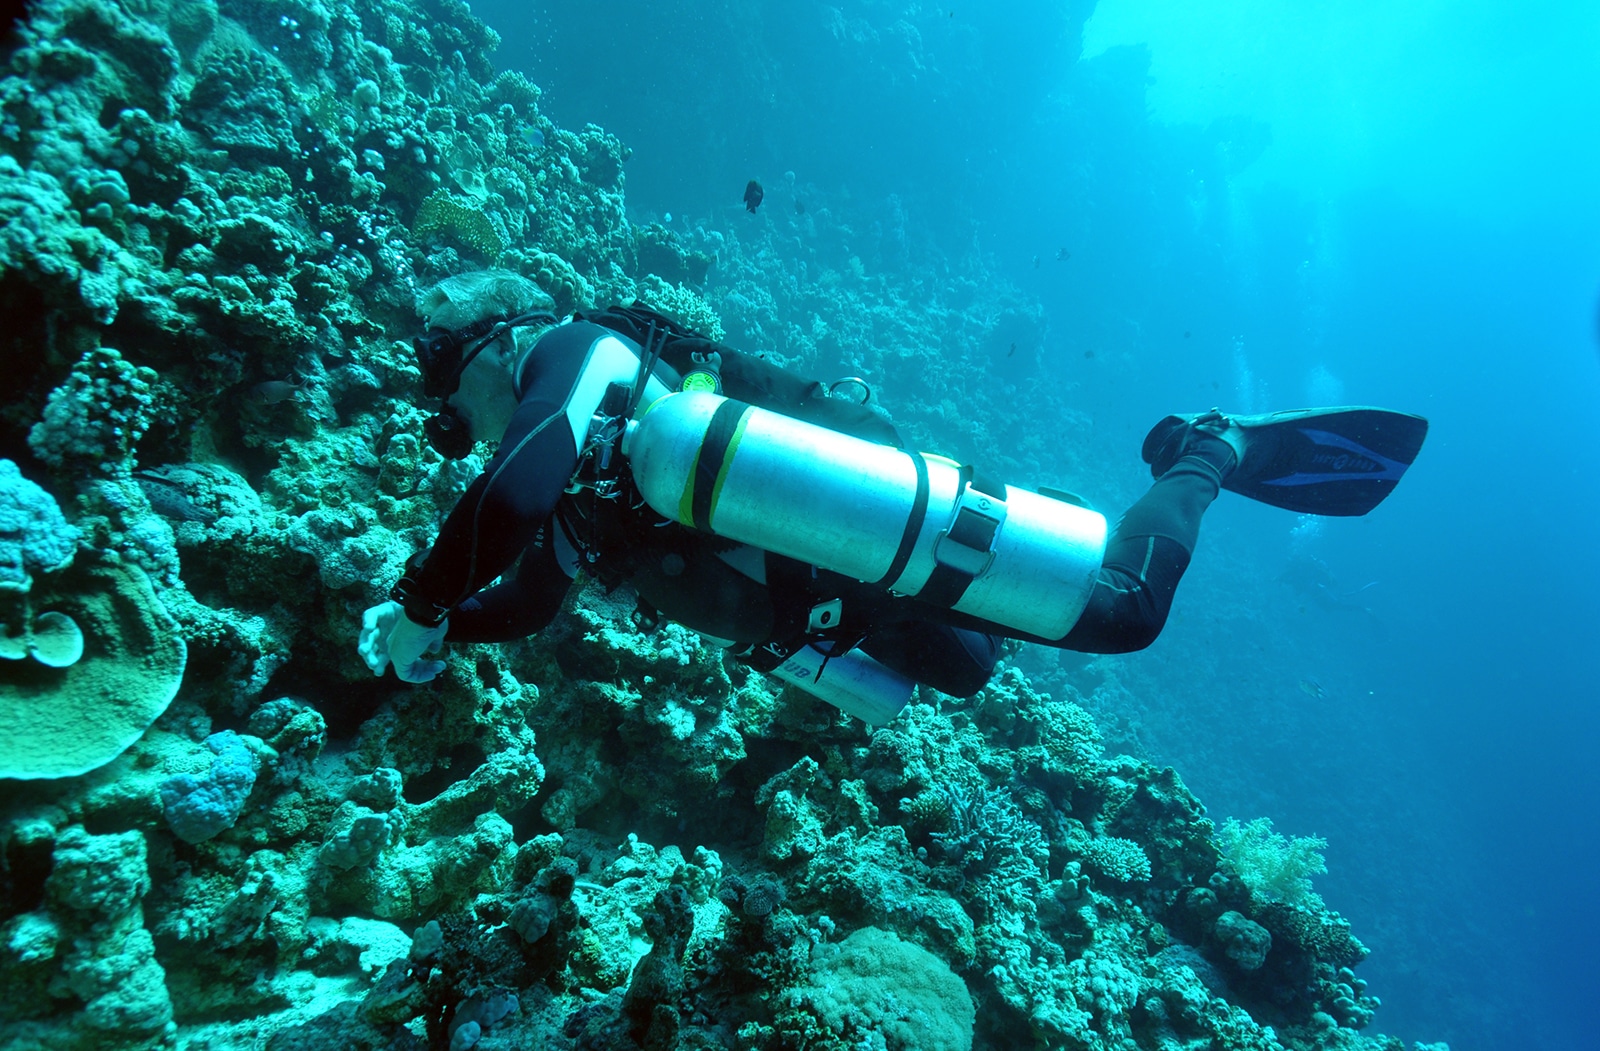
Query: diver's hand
{"points": [[373, 642], [388, 636]]}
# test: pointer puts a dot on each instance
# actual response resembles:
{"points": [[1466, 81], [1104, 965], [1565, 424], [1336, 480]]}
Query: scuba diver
{"points": [[786, 521]]}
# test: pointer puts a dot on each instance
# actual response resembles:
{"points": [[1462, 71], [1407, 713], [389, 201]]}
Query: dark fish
{"points": [[1088, 354], [753, 193], [1186, 334], [170, 501], [799, 206], [1012, 351], [274, 391]]}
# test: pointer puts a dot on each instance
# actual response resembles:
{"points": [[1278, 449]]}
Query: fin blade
{"points": [[1337, 461]]}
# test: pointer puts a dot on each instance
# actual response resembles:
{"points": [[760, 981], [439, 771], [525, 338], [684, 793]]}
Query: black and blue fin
{"points": [[1337, 461]]}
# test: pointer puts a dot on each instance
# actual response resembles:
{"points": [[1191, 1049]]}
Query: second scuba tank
{"points": [[918, 525]]}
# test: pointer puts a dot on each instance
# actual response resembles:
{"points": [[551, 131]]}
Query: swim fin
{"points": [[1334, 461]]}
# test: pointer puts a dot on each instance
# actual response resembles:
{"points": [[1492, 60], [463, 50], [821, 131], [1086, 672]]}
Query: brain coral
{"points": [[33, 533], [873, 987]]}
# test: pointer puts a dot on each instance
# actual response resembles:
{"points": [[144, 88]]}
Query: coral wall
{"points": [[216, 218]]}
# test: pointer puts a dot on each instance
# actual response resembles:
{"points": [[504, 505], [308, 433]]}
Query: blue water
{"points": [[1257, 207]]}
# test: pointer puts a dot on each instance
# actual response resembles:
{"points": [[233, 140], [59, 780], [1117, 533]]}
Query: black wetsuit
{"points": [[520, 507]]}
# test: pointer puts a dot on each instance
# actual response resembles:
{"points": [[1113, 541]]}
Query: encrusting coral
{"points": [[226, 833]]}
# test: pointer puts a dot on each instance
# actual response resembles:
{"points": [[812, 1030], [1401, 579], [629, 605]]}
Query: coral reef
{"points": [[33, 534], [223, 832]]}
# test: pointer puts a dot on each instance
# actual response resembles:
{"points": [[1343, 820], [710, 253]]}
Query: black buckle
{"points": [[968, 545]]}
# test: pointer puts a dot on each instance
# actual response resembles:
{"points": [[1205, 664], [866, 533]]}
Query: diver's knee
{"points": [[1125, 632]]}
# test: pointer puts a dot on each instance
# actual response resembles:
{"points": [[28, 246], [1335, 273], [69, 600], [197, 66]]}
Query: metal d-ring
{"points": [[866, 389]]}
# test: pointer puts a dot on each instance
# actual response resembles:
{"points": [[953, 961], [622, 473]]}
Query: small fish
{"points": [[1062, 255], [272, 392], [1185, 333], [1313, 689], [535, 138], [799, 206], [753, 194], [1012, 351], [1088, 355], [1036, 262]]}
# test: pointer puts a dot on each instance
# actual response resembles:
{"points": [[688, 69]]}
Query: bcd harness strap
{"points": [[908, 537], [600, 469]]}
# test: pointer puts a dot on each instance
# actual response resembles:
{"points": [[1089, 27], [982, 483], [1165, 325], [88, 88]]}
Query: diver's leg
{"points": [[952, 660], [1149, 551]]}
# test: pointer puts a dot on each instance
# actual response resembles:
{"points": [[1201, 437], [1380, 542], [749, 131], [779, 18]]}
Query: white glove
{"points": [[389, 636]]}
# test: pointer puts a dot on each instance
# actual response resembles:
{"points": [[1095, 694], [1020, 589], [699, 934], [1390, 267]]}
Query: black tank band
{"points": [[908, 538], [716, 451]]}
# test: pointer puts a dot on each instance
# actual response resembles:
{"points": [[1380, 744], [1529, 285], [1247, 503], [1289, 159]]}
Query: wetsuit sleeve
{"points": [[520, 606], [501, 511], [497, 517]]}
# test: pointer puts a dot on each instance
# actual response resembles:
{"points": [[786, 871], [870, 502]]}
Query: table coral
{"points": [[64, 722]]}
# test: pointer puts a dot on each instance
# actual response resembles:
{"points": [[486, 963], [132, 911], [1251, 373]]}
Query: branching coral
{"points": [[1121, 860], [987, 833], [681, 303], [93, 421]]}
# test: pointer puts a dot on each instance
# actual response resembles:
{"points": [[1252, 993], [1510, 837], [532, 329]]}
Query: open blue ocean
{"points": [[359, 690]]}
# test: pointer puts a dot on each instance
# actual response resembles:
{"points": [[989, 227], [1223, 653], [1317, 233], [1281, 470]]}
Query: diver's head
{"points": [[479, 325]]}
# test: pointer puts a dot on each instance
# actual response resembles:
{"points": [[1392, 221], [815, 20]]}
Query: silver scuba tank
{"points": [[917, 524]]}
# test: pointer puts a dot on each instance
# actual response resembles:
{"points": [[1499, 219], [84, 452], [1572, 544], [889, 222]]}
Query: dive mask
{"points": [[442, 356]]}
